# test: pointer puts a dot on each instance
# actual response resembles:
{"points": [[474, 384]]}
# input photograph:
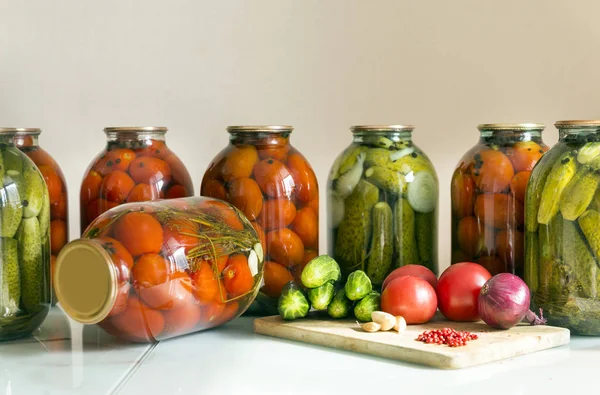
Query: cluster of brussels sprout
{"points": [[321, 289]]}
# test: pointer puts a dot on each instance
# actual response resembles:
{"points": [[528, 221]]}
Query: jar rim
{"points": [[135, 129], [526, 126], [571, 124], [260, 128], [382, 128], [21, 131]]}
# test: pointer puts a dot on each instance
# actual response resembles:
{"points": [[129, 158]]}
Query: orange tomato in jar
{"points": [[260, 232], [277, 213], [237, 277], [140, 233], [499, 210], [177, 191], [518, 185], [524, 155], [90, 187], [276, 276], [180, 233], [463, 194], [144, 192], [114, 160], [510, 246], [274, 178], [155, 148], [58, 209], [304, 177], [275, 147], [97, 207], [239, 162], [58, 235], [306, 226], [285, 247], [223, 212], [150, 170], [182, 320], [116, 186], [208, 287], [245, 194], [492, 171], [138, 322], [214, 188], [53, 183], [469, 236]]}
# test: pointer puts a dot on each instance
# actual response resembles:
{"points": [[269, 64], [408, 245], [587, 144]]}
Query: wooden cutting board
{"points": [[492, 345]]}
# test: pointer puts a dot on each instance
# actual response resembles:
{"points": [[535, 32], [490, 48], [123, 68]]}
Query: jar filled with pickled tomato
{"points": [[272, 183], [150, 271], [136, 165], [382, 203], [25, 293], [562, 243], [27, 140], [488, 196]]}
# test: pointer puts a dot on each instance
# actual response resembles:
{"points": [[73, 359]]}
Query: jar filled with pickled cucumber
{"points": [[382, 203], [562, 243], [27, 140], [273, 184], [25, 292], [488, 196], [150, 271], [135, 166]]}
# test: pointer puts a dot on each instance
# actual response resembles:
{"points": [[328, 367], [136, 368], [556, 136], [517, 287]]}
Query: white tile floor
{"points": [[233, 360]]}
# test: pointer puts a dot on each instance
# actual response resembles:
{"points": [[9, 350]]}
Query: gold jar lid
{"points": [[381, 128], [23, 131], [516, 127], [260, 128], [136, 129], [85, 281], [573, 124]]}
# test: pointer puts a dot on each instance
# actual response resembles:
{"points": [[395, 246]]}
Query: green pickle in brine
{"points": [[563, 238], [387, 216]]}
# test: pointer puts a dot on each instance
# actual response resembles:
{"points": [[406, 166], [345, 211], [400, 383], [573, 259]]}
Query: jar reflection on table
{"points": [[488, 196], [135, 166]]}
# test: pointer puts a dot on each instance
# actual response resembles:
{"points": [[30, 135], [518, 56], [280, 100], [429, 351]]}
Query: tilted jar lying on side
{"points": [[154, 270]]}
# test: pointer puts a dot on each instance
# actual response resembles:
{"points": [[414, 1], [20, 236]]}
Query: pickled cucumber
{"points": [[389, 180], [531, 271], [44, 216], [344, 185], [32, 263], [354, 233], [13, 162], [588, 222], [10, 208], [336, 208], [559, 177], [579, 193], [379, 141], [412, 163], [2, 171], [377, 157], [422, 193], [534, 189], [588, 152], [404, 234], [34, 191], [345, 161], [379, 262], [580, 264], [10, 291], [426, 235]]}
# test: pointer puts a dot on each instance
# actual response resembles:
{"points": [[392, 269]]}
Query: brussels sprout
{"points": [[319, 271], [358, 285], [367, 305], [340, 305], [292, 303], [321, 297]]}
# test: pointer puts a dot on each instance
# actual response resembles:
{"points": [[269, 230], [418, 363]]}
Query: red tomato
{"points": [[410, 297], [458, 289], [411, 270]]}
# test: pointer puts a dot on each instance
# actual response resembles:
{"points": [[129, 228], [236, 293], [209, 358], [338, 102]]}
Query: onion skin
{"points": [[503, 301]]}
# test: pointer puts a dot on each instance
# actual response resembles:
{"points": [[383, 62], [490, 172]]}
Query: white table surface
{"points": [[233, 360]]}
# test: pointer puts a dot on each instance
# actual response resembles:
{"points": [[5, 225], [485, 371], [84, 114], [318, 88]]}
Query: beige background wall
{"points": [[72, 67]]}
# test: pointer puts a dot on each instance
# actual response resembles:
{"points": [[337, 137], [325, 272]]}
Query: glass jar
{"points": [[264, 176], [488, 196], [25, 294], [27, 141], [135, 166], [562, 247], [154, 270], [382, 203]]}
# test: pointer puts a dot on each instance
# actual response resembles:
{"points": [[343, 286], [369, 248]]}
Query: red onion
{"points": [[504, 301]]}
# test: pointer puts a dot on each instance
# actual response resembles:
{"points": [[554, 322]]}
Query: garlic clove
{"points": [[386, 320], [400, 325], [371, 327]]}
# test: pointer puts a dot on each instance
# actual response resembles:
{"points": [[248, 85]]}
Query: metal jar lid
{"points": [[85, 281], [22, 131], [516, 127], [136, 129], [381, 128], [574, 124], [259, 128]]}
